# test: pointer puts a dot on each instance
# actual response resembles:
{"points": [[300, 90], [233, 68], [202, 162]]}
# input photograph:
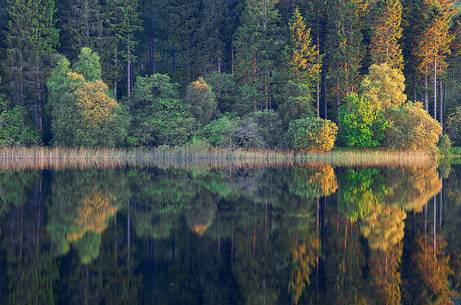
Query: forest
{"points": [[287, 74]]}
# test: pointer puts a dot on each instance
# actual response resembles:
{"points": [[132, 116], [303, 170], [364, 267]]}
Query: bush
{"points": [[312, 134], [159, 116], [82, 109], [453, 125], [219, 132], [269, 126], [13, 127], [169, 124], [248, 134], [411, 128], [201, 100], [297, 102], [444, 145], [361, 121]]}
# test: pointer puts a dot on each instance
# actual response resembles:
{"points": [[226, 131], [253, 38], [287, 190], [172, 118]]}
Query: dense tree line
{"points": [[252, 73]]}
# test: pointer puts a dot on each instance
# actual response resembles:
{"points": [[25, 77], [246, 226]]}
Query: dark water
{"points": [[313, 235]]}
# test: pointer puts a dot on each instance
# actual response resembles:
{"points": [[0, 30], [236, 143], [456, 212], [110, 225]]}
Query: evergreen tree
{"points": [[304, 62], [155, 34], [345, 47], [387, 31], [183, 36], [124, 22], [256, 43], [31, 39], [434, 46], [82, 24]]}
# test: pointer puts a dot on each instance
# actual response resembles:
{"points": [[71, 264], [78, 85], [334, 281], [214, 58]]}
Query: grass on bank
{"points": [[182, 157]]}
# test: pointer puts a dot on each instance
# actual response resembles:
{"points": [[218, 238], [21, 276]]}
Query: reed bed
{"points": [[180, 157]]}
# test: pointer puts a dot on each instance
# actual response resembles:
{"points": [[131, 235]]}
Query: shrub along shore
{"points": [[165, 157]]}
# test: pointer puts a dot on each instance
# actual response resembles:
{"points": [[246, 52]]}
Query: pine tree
{"points": [[256, 42], [123, 23], [304, 61], [316, 18], [31, 39], [211, 45], [434, 46], [387, 31], [345, 46], [155, 32], [183, 36], [82, 25]]}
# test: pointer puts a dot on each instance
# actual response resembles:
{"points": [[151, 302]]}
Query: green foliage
{"points": [[362, 123], [15, 187], [269, 126], [312, 134], [231, 97], [453, 125], [28, 44], [360, 192], [159, 117], [384, 86], [14, 126], [219, 132], [169, 123], [444, 145], [248, 134], [296, 103], [83, 113], [256, 44], [201, 100], [411, 128], [88, 65]]}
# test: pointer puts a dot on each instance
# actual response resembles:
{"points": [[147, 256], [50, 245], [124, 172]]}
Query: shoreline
{"points": [[183, 157]]}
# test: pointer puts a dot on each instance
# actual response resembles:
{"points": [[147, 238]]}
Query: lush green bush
{"points": [[361, 122], [169, 123], [14, 129], [411, 128], [219, 132], [312, 134], [83, 111], [297, 102], [159, 116], [201, 100], [444, 145], [453, 125]]}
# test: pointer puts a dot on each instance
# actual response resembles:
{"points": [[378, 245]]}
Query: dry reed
{"points": [[179, 157]]}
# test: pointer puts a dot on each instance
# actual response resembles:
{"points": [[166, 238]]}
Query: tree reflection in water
{"points": [[308, 235]]}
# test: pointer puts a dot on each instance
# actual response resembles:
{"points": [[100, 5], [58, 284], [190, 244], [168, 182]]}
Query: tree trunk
{"points": [[434, 225], [128, 71], [232, 61], [318, 61], [435, 90], [151, 54], [324, 85], [442, 96], [426, 92]]}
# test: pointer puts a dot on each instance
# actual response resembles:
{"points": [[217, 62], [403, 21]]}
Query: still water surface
{"points": [[305, 235]]}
